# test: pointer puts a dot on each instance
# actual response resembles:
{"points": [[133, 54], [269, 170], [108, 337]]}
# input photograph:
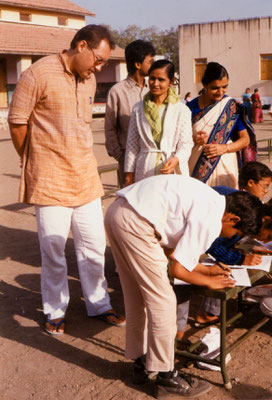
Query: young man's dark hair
{"points": [[136, 52], [253, 170], [93, 34], [249, 209]]}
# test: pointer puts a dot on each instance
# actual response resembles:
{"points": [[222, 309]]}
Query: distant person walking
{"points": [[123, 96], [49, 119], [188, 97], [257, 113], [247, 103]]}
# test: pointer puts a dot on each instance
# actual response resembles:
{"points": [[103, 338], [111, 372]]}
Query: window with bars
{"points": [[26, 17], [200, 66], [62, 20], [266, 66]]}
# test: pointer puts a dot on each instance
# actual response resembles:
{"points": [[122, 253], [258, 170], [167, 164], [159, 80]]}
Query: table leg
{"points": [[269, 149], [223, 353]]}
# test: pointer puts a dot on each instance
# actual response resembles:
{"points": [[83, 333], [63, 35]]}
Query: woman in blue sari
{"points": [[223, 137]]}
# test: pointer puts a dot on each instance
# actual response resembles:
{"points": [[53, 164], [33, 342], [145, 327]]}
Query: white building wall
{"points": [[235, 44], [41, 18]]}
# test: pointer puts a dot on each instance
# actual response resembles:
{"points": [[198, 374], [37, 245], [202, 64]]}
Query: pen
{"points": [[223, 268], [219, 264]]}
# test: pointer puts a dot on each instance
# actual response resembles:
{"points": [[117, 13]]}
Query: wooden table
{"points": [[108, 168], [268, 151], [224, 295]]}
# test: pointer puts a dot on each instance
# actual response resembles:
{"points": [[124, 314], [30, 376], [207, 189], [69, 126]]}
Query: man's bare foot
{"points": [[55, 326], [179, 335], [113, 318], [205, 319]]}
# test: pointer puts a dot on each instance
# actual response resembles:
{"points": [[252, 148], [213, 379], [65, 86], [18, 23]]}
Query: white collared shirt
{"points": [[185, 212]]}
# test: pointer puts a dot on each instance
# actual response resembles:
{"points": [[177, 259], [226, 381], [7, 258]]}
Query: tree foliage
{"points": [[165, 41]]}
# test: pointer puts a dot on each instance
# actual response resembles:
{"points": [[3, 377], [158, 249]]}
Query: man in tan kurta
{"points": [[49, 119], [123, 96]]}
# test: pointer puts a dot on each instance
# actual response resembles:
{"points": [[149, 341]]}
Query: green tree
{"points": [[165, 42]]}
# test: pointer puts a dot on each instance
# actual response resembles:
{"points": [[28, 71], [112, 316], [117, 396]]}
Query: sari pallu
{"points": [[219, 122]]}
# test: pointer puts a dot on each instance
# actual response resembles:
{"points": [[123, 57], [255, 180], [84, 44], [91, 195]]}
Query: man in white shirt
{"points": [[181, 217]]}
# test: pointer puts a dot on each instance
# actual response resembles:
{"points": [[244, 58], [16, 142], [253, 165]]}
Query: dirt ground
{"points": [[87, 362]]}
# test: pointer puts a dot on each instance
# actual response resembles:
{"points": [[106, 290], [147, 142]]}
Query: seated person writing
{"points": [[255, 178]]}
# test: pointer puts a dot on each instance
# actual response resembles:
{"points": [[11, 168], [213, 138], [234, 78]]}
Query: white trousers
{"points": [[86, 223]]}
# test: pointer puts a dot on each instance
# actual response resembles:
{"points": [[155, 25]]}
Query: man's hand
{"points": [[217, 270], [220, 282]]}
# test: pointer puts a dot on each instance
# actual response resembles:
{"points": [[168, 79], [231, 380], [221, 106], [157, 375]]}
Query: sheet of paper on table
{"points": [[239, 273], [264, 266], [241, 276]]}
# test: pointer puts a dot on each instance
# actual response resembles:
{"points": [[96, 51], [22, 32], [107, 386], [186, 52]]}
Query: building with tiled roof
{"points": [[59, 6], [31, 29]]}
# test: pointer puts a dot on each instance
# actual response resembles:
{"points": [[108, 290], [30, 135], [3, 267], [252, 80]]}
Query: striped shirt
{"points": [[59, 167], [222, 249]]}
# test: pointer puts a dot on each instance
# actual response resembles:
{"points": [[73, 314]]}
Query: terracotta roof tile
{"points": [[18, 38], [65, 6]]}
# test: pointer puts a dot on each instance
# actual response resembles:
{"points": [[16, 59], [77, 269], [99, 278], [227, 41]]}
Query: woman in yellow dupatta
{"points": [[160, 131], [223, 137]]}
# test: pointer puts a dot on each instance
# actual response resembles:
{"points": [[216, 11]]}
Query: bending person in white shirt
{"points": [[179, 216]]}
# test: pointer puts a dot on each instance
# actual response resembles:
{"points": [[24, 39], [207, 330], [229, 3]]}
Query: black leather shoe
{"points": [[180, 386], [140, 374]]}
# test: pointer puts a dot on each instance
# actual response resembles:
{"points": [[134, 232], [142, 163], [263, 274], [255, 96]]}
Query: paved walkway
{"points": [[88, 361]]}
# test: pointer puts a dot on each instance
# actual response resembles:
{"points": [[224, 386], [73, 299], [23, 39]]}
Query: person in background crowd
{"points": [[257, 113], [188, 97], [247, 103], [123, 96]]}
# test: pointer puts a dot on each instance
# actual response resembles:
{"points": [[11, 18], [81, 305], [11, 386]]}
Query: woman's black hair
{"points": [[167, 65], [187, 94], [249, 209], [253, 170], [214, 72]]}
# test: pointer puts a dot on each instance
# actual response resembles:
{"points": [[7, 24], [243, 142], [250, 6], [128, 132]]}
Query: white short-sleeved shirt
{"points": [[184, 211]]}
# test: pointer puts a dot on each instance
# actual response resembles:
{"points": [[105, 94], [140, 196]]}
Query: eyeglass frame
{"points": [[97, 60]]}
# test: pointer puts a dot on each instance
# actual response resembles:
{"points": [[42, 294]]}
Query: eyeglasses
{"points": [[97, 60]]}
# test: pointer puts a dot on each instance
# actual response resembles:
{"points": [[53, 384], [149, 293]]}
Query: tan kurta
{"points": [[59, 167]]}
